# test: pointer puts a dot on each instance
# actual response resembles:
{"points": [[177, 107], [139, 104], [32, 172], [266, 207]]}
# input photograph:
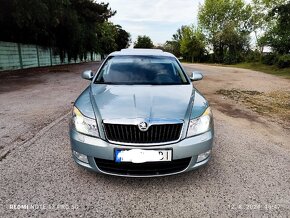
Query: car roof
{"points": [[138, 51]]}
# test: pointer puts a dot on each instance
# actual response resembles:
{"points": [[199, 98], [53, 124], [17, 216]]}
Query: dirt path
{"points": [[250, 97], [248, 175], [31, 99]]}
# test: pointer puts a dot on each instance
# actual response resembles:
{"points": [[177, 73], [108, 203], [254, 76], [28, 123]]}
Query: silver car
{"points": [[140, 116]]}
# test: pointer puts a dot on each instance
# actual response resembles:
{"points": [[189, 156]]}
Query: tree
{"points": [[192, 43], [260, 20], [235, 44], [230, 18], [278, 36], [106, 34], [123, 38], [24, 21], [67, 25], [111, 38], [143, 42], [174, 45], [75, 27]]}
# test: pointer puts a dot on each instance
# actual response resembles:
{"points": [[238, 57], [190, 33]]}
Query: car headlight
{"points": [[84, 124], [201, 124]]}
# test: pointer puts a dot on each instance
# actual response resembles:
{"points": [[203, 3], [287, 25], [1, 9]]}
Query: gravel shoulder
{"points": [[248, 175], [31, 99], [251, 97]]}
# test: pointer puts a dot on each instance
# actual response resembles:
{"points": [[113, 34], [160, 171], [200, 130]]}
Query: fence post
{"points": [[50, 56], [37, 53], [20, 55]]}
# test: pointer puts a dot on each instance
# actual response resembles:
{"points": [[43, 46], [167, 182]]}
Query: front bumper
{"points": [[100, 149]]}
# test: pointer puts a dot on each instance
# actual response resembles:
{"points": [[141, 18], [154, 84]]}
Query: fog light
{"points": [[81, 157], [203, 156]]}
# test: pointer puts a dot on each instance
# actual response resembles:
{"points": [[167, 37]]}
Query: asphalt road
{"points": [[249, 174]]}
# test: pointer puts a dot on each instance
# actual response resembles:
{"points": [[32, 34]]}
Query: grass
{"points": [[274, 70], [270, 69]]}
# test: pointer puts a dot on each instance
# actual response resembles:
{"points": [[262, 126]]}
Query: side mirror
{"points": [[195, 76], [88, 74]]}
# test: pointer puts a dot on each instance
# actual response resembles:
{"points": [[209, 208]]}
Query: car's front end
{"points": [[141, 130]]}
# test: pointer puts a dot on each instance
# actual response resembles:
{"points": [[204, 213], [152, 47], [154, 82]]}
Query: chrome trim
{"points": [[150, 123], [136, 121], [144, 176]]}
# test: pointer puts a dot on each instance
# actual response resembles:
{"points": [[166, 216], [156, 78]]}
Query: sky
{"points": [[157, 19]]}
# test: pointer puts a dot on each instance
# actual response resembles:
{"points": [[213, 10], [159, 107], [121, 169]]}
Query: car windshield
{"points": [[141, 70]]}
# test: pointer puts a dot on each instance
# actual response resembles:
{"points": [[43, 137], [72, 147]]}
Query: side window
{"points": [[179, 72], [104, 72], [174, 69]]}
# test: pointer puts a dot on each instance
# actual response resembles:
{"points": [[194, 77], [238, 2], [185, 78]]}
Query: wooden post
{"points": [[20, 55], [37, 53], [50, 54]]}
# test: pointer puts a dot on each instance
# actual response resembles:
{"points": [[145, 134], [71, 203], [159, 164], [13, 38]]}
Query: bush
{"points": [[205, 58], [230, 58], [283, 61], [269, 59], [211, 58], [252, 56]]}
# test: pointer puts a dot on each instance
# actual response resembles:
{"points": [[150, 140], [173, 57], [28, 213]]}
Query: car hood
{"points": [[141, 101]]}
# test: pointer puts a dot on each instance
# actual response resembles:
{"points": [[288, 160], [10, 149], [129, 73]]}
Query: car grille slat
{"points": [[174, 131], [152, 133], [138, 169], [169, 132], [122, 133], [147, 136], [130, 133], [155, 134], [117, 131], [166, 132], [159, 133]]}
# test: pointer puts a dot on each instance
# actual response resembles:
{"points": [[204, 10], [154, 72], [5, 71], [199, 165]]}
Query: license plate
{"points": [[142, 156]]}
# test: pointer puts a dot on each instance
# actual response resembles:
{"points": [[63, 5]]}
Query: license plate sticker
{"points": [[142, 156]]}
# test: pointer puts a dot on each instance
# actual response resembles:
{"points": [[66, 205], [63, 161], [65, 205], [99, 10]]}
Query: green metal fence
{"points": [[20, 56]]}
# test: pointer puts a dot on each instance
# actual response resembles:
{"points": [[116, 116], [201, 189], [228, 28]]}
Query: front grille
{"points": [[131, 133], [143, 169]]}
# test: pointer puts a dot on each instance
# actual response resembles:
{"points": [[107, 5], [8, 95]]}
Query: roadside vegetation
{"points": [[256, 34], [143, 42], [273, 69], [75, 27], [273, 104]]}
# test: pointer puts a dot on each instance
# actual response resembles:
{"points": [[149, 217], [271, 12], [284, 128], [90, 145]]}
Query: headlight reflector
{"points": [[200, 124], [84, 124]]}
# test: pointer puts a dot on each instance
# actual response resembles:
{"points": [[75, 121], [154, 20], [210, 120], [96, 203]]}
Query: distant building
{"points": [[267, 50]]}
